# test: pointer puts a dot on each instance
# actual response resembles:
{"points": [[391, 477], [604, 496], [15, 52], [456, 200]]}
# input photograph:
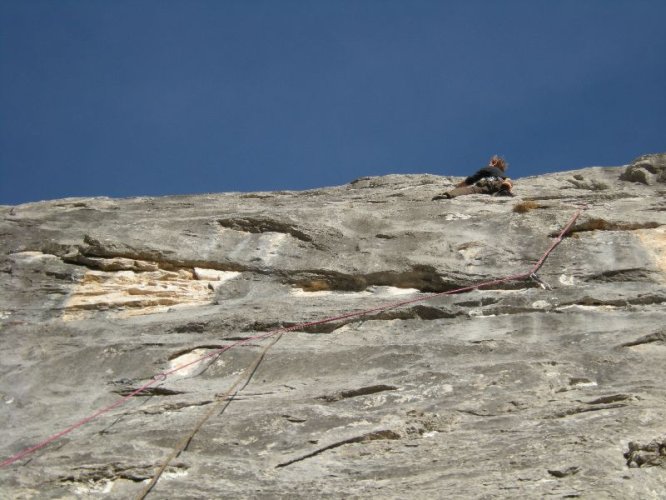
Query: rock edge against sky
{"points": [[513, 390]]}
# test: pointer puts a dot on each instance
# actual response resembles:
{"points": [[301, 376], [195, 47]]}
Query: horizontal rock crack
{"points": [[353, 393]]}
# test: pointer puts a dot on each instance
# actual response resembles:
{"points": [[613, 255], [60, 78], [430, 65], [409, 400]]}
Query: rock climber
{"points": [[489, 180]]}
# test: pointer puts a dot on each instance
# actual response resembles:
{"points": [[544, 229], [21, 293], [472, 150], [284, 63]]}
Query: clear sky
{"points": [[151, 97]]}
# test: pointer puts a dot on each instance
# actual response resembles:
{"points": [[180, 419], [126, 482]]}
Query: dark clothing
{"points": [[485, 172], [488, 180], [486, 185]]}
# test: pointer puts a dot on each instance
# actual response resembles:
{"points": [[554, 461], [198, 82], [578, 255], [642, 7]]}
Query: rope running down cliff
{"points": [[162, 376]]}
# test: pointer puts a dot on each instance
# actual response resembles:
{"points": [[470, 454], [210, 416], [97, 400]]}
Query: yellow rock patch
{"points": [[130, 293], [654, 240]]}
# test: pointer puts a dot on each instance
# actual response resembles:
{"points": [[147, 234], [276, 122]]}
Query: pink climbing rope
{"points": [[162, 376]]}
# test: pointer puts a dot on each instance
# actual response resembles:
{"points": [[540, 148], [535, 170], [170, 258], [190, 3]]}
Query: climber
{"points": [[489, 180]]}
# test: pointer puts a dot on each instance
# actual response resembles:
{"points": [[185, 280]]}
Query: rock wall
{"points": [[517, 389]]}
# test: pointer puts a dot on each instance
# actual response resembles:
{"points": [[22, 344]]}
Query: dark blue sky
{"points": [[143, 97]]}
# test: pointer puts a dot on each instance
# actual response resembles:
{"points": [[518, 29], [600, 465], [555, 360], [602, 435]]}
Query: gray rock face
{"points": [[646, 169], [513, 390]]}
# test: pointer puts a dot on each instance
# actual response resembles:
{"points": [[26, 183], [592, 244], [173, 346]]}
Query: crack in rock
{"points": [[425, 313], [295, 420], [421, 277], [364, 438], [424, 278], [568, 471], [597, 224], [622, 275], [150, 391], [113, 472], [581, 409], [197, 350], [647, 339], [264, 225], [353, 393], [640, 300], [197, 327], [614, 398], [173, 407], [478, 413]]}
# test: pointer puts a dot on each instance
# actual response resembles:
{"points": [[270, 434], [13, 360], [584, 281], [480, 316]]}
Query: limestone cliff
{"points": [[522, 389]]}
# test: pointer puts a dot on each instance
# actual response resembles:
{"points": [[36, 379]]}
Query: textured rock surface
{"points": [[511, 391], [646, 169]]}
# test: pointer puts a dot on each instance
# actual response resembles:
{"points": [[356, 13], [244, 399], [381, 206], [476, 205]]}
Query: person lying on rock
{"points": [[489, 180]]}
